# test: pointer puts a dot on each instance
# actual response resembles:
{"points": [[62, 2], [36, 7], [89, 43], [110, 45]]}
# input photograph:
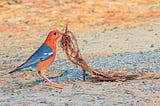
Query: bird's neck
{"points": [[51, 44]]}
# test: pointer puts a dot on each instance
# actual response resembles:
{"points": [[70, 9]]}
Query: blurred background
{"points": [[20, 15], [24, 24]]}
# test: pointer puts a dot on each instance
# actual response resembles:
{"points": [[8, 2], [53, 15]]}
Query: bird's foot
{"points": [[51, 84]]}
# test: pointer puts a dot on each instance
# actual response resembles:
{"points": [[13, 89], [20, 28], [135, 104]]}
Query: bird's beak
{"points": [[61, 34]]}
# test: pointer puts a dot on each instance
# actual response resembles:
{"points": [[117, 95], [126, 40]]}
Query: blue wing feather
{"points": [[43, 53]]}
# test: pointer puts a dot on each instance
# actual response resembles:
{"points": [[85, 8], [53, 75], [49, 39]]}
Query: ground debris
{"points": [[124, 76], [69, 44]]}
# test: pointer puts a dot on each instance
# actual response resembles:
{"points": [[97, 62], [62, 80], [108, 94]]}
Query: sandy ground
{"points": [[142, 53], [119, 40]]}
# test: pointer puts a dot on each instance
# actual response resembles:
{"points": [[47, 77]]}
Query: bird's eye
{"points": [[54, 33]]}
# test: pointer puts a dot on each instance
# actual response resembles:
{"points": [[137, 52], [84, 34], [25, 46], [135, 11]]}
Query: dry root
{"points": [[69, 44]]}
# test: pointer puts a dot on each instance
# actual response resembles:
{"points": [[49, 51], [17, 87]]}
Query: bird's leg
{"points": [[44, 77], [50, 83]]}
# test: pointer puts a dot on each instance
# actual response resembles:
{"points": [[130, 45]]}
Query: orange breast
{"points": [[46, 63]]}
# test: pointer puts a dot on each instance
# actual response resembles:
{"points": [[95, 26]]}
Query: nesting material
{"points": [[70, 46]]}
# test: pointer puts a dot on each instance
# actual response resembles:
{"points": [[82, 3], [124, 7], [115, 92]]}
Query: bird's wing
{"points": [[43, 53]]}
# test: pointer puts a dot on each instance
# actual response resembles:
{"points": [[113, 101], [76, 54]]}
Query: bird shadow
{"points": [[67, 76]]}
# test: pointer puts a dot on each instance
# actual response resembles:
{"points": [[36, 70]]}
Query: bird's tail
{"points": [[19, 68], [15, 70], [23, 67]]}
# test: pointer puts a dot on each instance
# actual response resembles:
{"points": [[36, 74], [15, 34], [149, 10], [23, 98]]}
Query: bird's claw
{"points": [[51, 84]]}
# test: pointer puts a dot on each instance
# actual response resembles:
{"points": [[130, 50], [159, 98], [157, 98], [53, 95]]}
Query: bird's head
{"points": [[53, 36]]}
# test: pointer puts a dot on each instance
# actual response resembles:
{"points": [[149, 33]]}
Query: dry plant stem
{"points": [[69, 44], [84, 75]]}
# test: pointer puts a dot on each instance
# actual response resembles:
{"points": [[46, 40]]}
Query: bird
{"points": [[43, 57]]}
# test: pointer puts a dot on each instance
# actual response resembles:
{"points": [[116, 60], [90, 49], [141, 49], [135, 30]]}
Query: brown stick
{"points": [[69, 44], [84, 75]]}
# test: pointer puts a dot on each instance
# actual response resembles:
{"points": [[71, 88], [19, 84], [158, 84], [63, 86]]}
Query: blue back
{"points": [[43, 53]]}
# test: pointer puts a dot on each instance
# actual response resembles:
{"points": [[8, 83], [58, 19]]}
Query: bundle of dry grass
{"points": [[69, 44]]}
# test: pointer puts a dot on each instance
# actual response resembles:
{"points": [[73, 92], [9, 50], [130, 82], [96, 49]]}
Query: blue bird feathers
{"points": [[43, 53]]}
